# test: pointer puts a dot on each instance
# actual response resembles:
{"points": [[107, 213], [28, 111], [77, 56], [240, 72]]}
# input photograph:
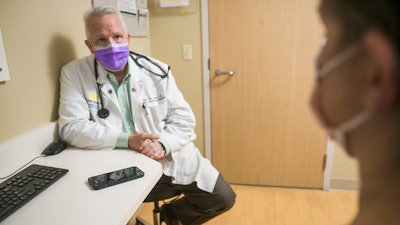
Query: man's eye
{"points": [[118, 37], [100, 40]]}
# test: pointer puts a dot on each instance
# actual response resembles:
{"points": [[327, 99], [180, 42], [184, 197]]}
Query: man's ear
{"points": [[87, 43], [383, 82], [129, 40]]}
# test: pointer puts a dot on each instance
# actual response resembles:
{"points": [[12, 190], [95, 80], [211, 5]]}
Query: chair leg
{"points": [[156, 212], [140, 221]]}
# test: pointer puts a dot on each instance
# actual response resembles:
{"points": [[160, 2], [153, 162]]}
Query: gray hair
{"points": [[99, 12]]}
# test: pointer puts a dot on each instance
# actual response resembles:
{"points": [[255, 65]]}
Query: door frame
{"points": [[207, 99], [206, 78]]}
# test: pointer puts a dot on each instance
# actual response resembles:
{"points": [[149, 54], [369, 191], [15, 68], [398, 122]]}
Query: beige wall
{"points": [[42, 35]]}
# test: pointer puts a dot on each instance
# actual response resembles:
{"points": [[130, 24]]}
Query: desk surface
{"points": [[70, 200]]}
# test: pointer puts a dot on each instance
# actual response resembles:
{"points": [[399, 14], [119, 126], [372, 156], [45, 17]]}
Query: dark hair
{"points": [[358, 16]]}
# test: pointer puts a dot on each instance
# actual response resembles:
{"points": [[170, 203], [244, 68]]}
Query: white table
{"points": [[70, 201]]}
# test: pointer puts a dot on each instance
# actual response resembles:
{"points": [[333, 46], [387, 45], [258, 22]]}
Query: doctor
{"points": [[116, 99]]}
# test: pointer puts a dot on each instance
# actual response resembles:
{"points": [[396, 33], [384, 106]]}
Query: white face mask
{"points": [[338, 133]]}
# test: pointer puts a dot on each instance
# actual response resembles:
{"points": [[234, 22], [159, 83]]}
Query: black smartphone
{"points": [[115, 177]]}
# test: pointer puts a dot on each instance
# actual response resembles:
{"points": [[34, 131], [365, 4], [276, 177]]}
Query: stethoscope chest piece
{"points": [[103, 113]]}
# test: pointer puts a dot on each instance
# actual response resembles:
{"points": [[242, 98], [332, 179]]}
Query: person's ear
{"points": [[87, 43], [129, 39], [382, 82]]}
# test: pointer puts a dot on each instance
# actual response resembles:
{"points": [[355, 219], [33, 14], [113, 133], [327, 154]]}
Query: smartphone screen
{"points": [[115, 177]]}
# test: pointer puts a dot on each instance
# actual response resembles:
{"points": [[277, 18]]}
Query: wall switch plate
{"points": [[187, 52]]}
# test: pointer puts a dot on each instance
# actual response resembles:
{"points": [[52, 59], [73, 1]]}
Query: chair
{"points": [[156, 209]]}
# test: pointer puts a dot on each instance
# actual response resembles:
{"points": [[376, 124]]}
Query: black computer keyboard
{"points": [[25, 185]]}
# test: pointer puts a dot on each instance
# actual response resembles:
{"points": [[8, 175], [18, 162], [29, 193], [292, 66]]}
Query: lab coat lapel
{"points": [[136, 83], [107, 91]]}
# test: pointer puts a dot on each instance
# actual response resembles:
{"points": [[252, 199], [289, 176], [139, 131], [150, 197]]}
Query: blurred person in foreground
{"points": [[356, 97]]}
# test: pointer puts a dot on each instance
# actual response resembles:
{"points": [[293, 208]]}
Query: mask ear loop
{"points": [[340, 132], [102, 113], [337, 60]]}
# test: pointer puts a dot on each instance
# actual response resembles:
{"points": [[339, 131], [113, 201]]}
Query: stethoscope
{"points": [[103, 112]]}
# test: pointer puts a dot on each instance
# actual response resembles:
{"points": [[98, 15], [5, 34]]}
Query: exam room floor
{"points": [[282, 206]]}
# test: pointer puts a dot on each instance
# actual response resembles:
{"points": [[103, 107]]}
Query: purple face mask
{"points": [[113, 57]]}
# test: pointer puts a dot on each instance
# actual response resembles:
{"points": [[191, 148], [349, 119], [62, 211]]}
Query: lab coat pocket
{"points": [[155, 109], [189, 162]]}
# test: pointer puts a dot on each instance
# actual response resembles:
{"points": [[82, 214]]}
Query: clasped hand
{"points": [[147, 144]]}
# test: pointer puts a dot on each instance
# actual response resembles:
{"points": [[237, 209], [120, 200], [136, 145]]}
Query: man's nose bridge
{"points": [[111, 41]]}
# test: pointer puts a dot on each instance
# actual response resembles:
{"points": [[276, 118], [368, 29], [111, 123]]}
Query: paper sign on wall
{"points": [[125, 6], [143, 18], [4, 73], [141, 4], [173, 3]]}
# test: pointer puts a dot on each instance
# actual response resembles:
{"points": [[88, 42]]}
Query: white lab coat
{"points": [[157, 106]]}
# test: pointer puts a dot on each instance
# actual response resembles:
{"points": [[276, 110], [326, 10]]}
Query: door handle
{"points": [[219, 72]]}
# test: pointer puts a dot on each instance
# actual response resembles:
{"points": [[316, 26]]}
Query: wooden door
{"points": [[263, 132]]}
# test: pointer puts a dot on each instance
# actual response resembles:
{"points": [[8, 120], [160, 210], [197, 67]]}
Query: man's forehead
{"points": [[105, 21], [101, 25]]}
